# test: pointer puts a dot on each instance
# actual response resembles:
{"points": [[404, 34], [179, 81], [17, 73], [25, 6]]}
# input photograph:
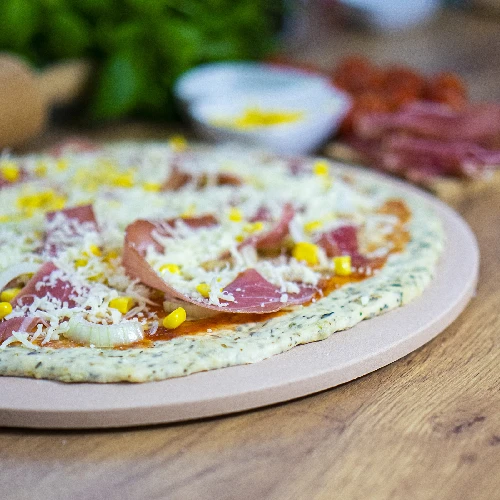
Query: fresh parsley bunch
{"points": [[142, 45]]}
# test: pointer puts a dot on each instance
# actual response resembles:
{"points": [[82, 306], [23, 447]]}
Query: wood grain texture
{"points": [[425, 427]]}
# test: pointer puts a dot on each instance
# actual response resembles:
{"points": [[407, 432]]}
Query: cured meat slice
{"points": [[83, 213], [26, 324], [340, 241], [425, 139], [479, 123], [251, 292], [250, 289], [43, 284], [450, 157], [176, 180], [66, 226], [273, 238], [179, 178], [344, 241], [262, 213], [140, 232]]}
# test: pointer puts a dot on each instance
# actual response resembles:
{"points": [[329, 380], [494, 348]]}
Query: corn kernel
{"points": [[9, 294], [62, 164], [313, 226], [189, 212], [111, 255], [178, 143], [203, 289], [43, 200], [321, 168], [171, 268], [175, 318], [96, 277], [95, 250], [41, 169], [254, 227], [124, 180], [151, 186], [239, 238], [306, 251], [10, 171], [235, 215], [5, 309], [81, 262], [342, 265], [122, 304]]}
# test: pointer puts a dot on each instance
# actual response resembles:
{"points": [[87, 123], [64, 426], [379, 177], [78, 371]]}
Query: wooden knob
{"points": [[23, 110], [26, 96]]}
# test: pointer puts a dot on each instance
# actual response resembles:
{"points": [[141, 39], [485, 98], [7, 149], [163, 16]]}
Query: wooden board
{"points": [[301, 371]]}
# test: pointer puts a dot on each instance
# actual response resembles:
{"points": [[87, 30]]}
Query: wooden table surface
{"points": [[425, 427]]}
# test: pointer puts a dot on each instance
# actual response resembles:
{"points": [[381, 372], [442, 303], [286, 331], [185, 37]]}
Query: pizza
{"points": [[144, 261]]}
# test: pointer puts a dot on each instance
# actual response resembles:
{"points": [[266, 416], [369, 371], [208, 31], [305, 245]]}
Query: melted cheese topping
{"points": [[123, 183]]}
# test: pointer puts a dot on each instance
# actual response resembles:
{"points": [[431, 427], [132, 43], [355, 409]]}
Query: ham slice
{"points": [[252, 293], [450, 157], [38, 286], [26, 324], [178, 179], [251, 290], [344, 241], [76, 221], [262, 213], [425, 140], [83, 213], [273, 238], [139, 233], [340, 241], [480, 123]]}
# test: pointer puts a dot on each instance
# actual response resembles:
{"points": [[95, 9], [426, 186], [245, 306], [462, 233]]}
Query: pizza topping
{"points": [[68, 228], [340, 241], [85, 332], [174, 319], [122, 304], [179, 178], [30, 204], [251, 290], [18, 330], [14, 272], [206, 279], [274, 237], [342, 265], [306, 252], [48, 281], [11, 173], [5, 309], [9, 294], [259, 249]]}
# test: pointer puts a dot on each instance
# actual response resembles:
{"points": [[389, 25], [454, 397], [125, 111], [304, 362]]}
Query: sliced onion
{"points": [[16, 270], [82, 331]]}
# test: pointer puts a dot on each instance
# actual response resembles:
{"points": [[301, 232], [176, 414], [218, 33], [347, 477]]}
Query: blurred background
{"points": [[84, 65], [139, 47]]}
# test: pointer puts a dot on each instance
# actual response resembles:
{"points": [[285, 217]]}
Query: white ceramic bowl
{"points": [[223, 91]]}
